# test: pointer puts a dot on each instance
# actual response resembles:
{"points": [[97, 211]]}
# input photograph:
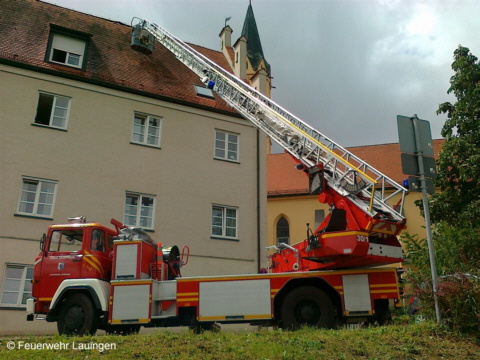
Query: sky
{"points": [[345, 67]]}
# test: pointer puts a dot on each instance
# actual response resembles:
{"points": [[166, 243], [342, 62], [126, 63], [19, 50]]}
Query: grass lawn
{"points": [[413, 341]]}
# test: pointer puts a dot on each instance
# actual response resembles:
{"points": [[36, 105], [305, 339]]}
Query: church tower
{"points": [[246, 57]]}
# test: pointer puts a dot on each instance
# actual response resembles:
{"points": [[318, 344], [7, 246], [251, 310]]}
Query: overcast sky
{"points": [[346, 67]]}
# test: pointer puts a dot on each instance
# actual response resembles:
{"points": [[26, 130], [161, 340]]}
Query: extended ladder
{"points": [[366, 187]]}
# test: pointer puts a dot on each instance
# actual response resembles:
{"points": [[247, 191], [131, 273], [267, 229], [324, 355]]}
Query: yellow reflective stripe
{"points": [[347, 233], [383, 291], [187, 299], [382, 285], [99, 269], [93, 258]]}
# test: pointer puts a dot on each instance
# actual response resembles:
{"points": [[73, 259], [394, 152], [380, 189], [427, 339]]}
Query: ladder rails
{"points": [[351, 177]]}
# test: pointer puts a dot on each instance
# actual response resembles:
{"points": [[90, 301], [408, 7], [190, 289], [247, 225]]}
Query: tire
{"points": [[307, 306], [77, 316], [382, 315]]}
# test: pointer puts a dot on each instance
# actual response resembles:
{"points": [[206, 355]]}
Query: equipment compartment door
{"points": [[235, 300], [356, 294], [131, 303]]}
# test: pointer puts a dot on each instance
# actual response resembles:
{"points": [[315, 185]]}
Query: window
{"points": [[204, 92], [226, 146], [139, 210], [319, 217], [52, 110], [283, 231], [37, 197], [146, 130], [67, 50], [17, 286], [224, 221], [69, 240], [97, 242]]}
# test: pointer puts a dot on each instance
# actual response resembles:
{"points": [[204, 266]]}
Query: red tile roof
{"points": [[24, 33], [284, 179], [282, 176]]}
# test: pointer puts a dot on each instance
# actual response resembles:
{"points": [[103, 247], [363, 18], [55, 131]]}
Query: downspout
{"points": [[258, 202]]}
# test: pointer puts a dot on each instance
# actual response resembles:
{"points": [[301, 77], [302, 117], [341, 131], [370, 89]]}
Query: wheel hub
{"points": [[74, 318], [308, 313]]}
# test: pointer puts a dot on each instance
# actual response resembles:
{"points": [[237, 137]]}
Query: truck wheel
{"points": [[77, 316], [382, 315], [307, 306]]}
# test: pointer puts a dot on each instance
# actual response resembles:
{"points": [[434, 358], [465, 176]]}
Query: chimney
{"points": [[240, 61], [226, 45], [226, 37]]}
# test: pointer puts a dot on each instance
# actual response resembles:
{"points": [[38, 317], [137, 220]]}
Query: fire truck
{"points": [[89, 276]]}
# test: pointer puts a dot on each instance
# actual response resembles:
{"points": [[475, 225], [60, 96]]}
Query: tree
{"points": [[455, 210], [458, 163]]}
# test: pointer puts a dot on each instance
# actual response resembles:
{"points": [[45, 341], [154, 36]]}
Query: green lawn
{"points": [[417, 341]]}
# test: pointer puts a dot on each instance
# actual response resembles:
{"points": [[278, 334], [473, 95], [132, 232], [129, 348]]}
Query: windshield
{"points": [[66, 240]]}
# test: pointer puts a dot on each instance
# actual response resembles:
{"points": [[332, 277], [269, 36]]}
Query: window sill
{"points": [[70, 66], [48, 127], [146, 145], [226, 160], [34, 216], [224, 238]]}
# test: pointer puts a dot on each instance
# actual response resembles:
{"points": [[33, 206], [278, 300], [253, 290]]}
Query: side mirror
{"points": [[42, 243]]}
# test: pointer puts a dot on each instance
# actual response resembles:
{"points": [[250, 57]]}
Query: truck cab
{"points": [[76, 250]]}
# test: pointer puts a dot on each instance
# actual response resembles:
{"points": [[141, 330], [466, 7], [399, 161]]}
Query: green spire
{"points": [[254, 46]]}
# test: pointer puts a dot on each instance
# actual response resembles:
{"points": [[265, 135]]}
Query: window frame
{"points": [[52, 110], [36, 201], [147, 118], [224, 235], [225, 149], [21, 289], [139, 210]]}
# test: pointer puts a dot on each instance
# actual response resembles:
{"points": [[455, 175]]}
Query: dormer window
{"points": [[67, 51], [67, 47]]}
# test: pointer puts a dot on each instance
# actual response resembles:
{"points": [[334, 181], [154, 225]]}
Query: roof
{"points": [[284, 179], [282, 176], [25, 28], [254, 45]]}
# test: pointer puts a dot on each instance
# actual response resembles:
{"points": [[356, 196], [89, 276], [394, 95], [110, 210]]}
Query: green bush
{"points": [[457, 256]]}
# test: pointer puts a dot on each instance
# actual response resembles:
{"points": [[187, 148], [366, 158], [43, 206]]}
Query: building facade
{"points": [[90, 127]]}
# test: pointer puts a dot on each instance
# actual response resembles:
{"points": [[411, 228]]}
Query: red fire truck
{"points": [[89, 276]]}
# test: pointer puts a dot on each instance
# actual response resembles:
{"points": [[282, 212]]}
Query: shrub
{"points": [[457, 258]]}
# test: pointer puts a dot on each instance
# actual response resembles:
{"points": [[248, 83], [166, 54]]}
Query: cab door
{"points": [[62, 260], [97, 259]]}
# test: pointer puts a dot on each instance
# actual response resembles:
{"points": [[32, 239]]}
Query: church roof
{"points": [[254, 45]]}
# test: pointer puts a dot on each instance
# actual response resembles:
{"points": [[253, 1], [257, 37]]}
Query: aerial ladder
{"points": [[366, 206]]}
